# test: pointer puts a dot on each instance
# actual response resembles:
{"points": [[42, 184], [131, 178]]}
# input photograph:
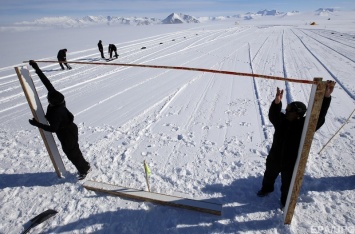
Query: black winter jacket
{"points": [[62, 55], [112, 47], [99, 45], [58, 116], [288, 134]]}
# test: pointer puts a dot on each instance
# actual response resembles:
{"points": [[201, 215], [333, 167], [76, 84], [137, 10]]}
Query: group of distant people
{"points": [[111, 48], [282, 155], [62, 54]]}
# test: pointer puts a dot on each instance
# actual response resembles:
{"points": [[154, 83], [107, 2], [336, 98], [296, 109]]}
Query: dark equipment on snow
{"points": [[40, 219]]}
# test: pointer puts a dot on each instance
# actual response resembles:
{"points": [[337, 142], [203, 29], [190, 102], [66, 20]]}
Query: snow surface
{"points": [[205, 136]]}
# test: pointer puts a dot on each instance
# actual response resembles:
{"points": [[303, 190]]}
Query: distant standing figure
{"points": [[101, 49], [61, 121], [112, 48], [62, 58]]}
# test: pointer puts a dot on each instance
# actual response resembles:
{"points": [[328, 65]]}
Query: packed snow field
{"points": [[204, 135]]}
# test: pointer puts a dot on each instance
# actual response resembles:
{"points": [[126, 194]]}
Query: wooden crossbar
{"points": [[190, 204], [188, 69]]}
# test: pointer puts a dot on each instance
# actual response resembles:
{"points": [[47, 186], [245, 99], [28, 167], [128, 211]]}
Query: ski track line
{"points": [[326, 68], [226, 142], [329, 38], [307, 94], [352, 60], [256, 92], [289, 96], [256, 88], [294, 60]]}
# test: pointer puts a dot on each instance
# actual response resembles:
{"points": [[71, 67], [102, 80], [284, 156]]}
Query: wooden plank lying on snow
{"points": [[197, 205]]}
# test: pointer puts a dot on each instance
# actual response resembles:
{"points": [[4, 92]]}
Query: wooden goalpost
{"points": [[38, 113], [314, 107]]}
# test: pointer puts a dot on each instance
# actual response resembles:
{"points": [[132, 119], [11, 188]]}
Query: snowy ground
{"points": [[204, 135]]}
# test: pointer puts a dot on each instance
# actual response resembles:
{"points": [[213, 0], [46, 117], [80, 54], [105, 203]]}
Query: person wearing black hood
{"points": [[62, 58], [60, 121], [101, 49], [287, 136]]}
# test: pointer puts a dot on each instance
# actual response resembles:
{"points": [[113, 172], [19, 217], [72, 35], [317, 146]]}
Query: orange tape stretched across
{"points": [[191, 69]]}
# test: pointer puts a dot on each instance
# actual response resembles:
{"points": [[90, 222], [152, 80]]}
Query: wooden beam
{"points": [[314, 107], [36, 108], [187, 69], [197, 205]]}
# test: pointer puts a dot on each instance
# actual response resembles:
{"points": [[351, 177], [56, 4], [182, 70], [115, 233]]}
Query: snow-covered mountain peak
{"points": [[269, 12], [178, 18]]}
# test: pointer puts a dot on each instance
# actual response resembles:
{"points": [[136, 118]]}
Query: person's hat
{"points": [[298, 107], [55, 98]]}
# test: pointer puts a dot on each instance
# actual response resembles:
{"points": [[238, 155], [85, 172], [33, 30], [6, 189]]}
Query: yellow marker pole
{"points": [[147, 174]]}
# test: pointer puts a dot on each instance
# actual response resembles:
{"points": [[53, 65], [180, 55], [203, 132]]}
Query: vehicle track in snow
{"points": [[265, 89], [347, 49], [344, 39], [327, 66]]}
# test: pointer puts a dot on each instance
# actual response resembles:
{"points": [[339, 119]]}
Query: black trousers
{"points": [[116, 55], [61, 65], [68, 137], [102, 53], [273, 169]]}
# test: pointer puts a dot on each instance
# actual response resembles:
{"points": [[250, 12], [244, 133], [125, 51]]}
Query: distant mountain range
{"points": [[174, 18]]}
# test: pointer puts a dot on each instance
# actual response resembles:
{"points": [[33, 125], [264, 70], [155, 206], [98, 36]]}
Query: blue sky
{"points": [[20, 10]]}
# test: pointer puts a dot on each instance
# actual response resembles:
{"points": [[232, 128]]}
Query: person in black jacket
{"points": [[101, 49], [61, 122], [62, 58], [112, 48], [288, 131]]}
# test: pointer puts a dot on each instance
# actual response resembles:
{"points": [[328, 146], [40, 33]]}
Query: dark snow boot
{"points": [[82, 176]]}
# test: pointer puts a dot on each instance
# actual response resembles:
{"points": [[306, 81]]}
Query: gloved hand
{"points": [[33, 64], [34, 122]]}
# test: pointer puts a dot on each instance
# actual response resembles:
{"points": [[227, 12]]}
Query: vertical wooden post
{"points": [[314, 107], [38, 113]]}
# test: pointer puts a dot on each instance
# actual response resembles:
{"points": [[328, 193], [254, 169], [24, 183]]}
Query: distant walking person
{"points": [[62, 58], [60, 121], [101, 49], [112, 48]]}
